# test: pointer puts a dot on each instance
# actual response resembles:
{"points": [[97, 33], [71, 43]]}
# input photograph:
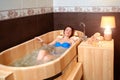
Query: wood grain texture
{"points": [[6, 75], [72, 72], [98, 61], [42, 71]]}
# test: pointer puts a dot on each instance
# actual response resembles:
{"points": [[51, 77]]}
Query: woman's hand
{"points": [[39, 39]]}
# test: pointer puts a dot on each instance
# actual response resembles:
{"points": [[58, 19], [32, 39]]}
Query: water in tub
{"points": [[30, 59]]}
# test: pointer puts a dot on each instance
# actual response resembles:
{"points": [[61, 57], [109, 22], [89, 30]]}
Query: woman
{"points": [[56, 47]]}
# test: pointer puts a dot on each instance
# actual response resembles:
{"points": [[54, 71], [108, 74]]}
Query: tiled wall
{"points": [[21, 4], [86, 9], [14, 13], [86, 6], [20, 8], [87, 3]]}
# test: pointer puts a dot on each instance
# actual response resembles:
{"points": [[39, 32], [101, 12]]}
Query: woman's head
{"points": [[68, 31]]}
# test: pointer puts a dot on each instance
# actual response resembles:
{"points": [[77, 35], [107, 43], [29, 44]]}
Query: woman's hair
{"points": [[72, 30]]}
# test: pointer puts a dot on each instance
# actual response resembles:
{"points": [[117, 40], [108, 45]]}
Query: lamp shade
{"points": [[108, 21]]}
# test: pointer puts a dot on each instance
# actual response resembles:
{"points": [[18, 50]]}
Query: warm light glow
{"points": [[108, 31], [108, 22]]}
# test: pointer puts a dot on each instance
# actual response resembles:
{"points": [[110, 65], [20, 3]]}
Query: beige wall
{"points": [[86, 6], [87, 3], [20, 4], [20, 8]]}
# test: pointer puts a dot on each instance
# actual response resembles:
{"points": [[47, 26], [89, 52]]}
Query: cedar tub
{"points": [[63, 64]]}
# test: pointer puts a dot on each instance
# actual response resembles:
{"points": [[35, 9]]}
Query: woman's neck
{"points": [[66, 37]]}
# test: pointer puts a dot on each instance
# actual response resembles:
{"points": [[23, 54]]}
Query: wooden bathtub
{"points": [[62, 64]]}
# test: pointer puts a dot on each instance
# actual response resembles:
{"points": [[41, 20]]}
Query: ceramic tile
{"points": [[44, 3], [10, 4], [29, 3]]}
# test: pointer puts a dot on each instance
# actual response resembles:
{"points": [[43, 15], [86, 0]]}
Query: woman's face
{"points": [[68, 31]]}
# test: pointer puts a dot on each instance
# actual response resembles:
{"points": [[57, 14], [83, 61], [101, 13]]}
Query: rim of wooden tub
{"points": [[47, 63]]}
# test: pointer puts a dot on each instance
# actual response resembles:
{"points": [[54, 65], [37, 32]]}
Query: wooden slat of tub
{"points": [[50, 36], [36, 72], [1, 60], [68, 57], [19, 51], [14, 54]]}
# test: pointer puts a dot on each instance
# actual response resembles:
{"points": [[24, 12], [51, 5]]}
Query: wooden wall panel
{"points": [[16, 31]]}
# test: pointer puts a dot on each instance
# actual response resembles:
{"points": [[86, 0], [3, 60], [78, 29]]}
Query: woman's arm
{"points": [[42, 41], [39, 39]]}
